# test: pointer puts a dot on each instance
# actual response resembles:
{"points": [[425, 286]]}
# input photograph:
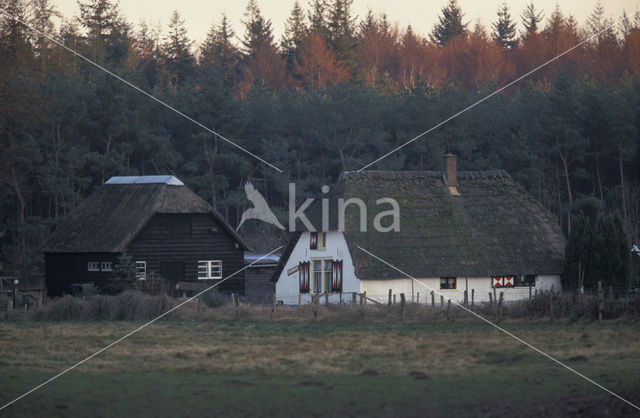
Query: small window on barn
{"points": [[141, 270], [93, 266], [106, 266], [209, 269], [527, 280], [448, 283]]}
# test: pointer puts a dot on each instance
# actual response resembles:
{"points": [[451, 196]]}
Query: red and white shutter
{"points": [[303, 276], [507, 281], [313, 244], [337, 276]]}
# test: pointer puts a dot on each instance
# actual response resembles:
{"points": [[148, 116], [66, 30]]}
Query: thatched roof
{"points": [[493, 228], [109, 219]]}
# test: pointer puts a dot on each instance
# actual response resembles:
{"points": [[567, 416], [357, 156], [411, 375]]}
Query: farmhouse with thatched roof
{"points": [[457, 231], [163, 226]]}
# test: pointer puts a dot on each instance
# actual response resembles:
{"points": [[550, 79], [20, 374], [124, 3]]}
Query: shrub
{"points": [[212, 298], [66, 308], [88, 290]]}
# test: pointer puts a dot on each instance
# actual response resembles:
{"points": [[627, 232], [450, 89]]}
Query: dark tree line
{"points": [[333, 94], [597, 254]]}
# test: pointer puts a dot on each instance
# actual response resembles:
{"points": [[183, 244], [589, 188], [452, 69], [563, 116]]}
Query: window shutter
{"points": [[303, 276], [313, 244], [337, 276]]}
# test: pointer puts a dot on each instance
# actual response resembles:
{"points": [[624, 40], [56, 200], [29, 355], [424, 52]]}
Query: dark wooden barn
{"points": [[166, 229]]}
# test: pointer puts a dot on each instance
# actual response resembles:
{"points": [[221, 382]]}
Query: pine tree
{"points": [[295, 31], [530, 19], [176, 50], [449, 24], [262, 61], [218, 50], [318, 18], [597, 22], [107, 31], [610, 254], [258, 32], [504, 30], [342, 31]]}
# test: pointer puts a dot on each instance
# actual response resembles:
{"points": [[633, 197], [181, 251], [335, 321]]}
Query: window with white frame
{"points": [[93, 266], [106, 266], [317, 276], [322, 275], [141, 270], [209, 269]]}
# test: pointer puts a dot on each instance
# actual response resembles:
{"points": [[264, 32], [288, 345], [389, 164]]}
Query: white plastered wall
{"points": [[379, 289], [287, 287]]}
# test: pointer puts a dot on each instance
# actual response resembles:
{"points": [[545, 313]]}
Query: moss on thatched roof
{"points": [[493, 228], [109, 219]]}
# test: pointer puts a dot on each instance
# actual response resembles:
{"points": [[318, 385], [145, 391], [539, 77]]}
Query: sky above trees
{"points": [[421, 15]]}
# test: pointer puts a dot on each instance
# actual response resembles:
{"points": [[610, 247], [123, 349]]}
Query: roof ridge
{"points": [[422, 173]]}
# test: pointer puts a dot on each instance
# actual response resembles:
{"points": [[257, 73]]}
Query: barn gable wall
{"points": [[188, 238]]}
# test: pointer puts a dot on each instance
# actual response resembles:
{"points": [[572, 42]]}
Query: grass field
{"points": [[186, 368]]}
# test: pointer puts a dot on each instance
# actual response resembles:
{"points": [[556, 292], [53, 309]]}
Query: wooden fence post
{"points": [[500, 302], [340, 298], [364, 296], [273, 308], [299, 298], [495, 296], [394, 299], [389, 297], [353, 298], [316, 298], [466, 291], [529, 292], [600, 301], [433, 299], [448, 309], [473, 296], [326, 298], [402, 303], [551, 303], [441, 301], [361, 300], [418, 297], [490, 300]]}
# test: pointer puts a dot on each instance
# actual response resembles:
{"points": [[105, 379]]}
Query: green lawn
{"points": [[291, 368]]}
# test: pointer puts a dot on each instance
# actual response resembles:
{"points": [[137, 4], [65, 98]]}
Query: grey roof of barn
{"points": [[110, 218], [493, 228]]}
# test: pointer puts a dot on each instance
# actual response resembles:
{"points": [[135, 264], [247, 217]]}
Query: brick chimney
{"points": [[451, 173]]}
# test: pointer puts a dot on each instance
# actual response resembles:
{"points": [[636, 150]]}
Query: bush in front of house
{"points": [[128, 305], [212, 298]]}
